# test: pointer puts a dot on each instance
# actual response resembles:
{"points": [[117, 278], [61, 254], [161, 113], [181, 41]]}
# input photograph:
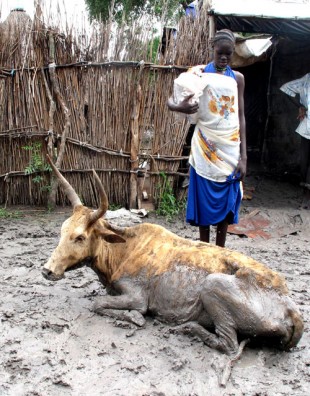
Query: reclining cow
{"points": [[211, 292]]}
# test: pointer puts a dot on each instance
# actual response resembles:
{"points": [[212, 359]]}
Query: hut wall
{"points": [[256, 107], [100, 105], [282, 143]]}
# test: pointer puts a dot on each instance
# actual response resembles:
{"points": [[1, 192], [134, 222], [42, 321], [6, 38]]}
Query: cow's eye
{"points": [[80, 238]]}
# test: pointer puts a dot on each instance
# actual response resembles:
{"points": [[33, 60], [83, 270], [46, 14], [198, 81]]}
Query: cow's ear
{"points": [[113, 238], [108, 236]]}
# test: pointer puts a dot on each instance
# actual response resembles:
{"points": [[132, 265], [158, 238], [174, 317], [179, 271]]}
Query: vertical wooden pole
{"points": [[207, 4], [212, 29], [65, 109], [50, 140], [134, 148]]}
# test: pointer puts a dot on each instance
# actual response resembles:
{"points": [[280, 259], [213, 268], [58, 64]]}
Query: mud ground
{"points": [[52, 343]]}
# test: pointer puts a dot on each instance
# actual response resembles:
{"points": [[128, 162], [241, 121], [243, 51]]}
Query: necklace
{"points": [[220, 69]]}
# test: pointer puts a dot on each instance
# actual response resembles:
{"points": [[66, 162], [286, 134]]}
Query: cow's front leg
{"points": [[132, 316], [130, 305]]}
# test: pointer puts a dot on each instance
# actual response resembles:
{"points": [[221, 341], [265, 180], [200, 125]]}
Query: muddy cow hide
{"points": [[217, 294]]}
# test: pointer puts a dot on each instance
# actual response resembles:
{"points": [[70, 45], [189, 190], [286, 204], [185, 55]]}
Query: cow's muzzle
{"points": [[49, 275]]}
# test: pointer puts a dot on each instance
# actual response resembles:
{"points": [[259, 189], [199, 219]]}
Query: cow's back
{"points": [[155, 250]]}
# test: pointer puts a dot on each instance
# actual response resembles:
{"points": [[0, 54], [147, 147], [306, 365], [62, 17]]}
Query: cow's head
{"points": [[80, 234]]}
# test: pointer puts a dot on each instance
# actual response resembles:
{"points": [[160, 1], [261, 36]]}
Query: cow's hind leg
{"points": [[222, 302], [220, 297], [195, 329]]}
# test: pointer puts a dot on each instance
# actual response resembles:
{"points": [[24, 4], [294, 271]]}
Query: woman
{"points": [[214, 95], [301, 88]]}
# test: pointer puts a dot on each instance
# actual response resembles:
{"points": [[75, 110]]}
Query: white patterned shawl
{"points": [[215, 147]]}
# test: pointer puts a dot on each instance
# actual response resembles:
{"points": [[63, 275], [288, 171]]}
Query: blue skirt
{"points": [[211, 202]]}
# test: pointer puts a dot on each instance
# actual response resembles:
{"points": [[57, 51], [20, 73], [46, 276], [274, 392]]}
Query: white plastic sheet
{"points": [[290, 9]]}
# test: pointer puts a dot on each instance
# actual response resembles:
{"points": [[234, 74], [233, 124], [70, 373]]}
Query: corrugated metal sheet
{"points": [[296, 29]]}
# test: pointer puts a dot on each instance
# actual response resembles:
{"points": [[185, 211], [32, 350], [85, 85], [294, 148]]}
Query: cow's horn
{"points": [[104, 204], [67, 188]]}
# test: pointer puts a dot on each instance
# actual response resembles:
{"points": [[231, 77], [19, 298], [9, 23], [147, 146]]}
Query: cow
{"points": [[216, 294]]}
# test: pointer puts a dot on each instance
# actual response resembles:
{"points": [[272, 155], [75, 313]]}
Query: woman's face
{"points": [[223, 52]]}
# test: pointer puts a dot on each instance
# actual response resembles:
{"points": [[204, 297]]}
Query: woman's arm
{"points": [[241, 167], [185, 106], [302, 113], [295, 100]]}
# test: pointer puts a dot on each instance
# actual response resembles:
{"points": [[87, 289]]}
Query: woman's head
{"points": [[223, 46]]}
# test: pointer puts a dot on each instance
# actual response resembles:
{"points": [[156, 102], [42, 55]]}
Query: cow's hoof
{"points": [[97, 307], [182, 329], [135, 317]]}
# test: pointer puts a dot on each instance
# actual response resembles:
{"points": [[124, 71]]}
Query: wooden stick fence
{"points": [[90, 108]]}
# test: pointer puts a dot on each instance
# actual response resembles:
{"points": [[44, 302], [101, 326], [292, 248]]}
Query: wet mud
{"points": [[53, 344]]}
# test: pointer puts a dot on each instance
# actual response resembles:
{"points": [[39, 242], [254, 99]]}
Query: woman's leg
{"points": [[221, 232], [304, 160], [204, 233], [305, 171]]}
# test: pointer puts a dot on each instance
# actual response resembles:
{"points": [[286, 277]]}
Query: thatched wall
{"points": [[90, 107]]}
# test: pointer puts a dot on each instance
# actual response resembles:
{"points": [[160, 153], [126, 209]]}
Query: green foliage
{"points": [[129, 10], [37, 163], [115, 206], [168, 205], [153, 48], [5, 214]]}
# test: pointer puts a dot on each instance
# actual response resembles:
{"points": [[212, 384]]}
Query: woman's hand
{"points": [[185, 106], [241, 168], [302, 112]]}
